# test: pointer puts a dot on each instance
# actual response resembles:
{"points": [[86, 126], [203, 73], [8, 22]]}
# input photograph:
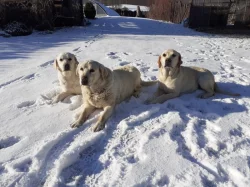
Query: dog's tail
{"points": [[218, 90], [148, 83]]}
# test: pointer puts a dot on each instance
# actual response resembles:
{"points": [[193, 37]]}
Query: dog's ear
{"points": [[179, 61], [56, 65], [159, 62], [104, 71], [77, 69]]}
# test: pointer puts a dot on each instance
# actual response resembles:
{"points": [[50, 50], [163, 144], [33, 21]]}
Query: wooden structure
{"points": [[242, 13], [219, 13]]}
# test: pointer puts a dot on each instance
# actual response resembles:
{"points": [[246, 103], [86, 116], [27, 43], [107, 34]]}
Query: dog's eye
{"points": [[173, 55], [91, 71], [164, 55], [81, 69], [61, 59], [70, 59]]}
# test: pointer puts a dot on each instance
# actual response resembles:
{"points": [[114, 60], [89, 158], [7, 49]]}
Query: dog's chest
{"points": [[167, 85], [70, 84], [100, 99], [167, 88]]}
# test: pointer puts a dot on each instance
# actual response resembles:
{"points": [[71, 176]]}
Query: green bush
{"points": [[89, 10]]}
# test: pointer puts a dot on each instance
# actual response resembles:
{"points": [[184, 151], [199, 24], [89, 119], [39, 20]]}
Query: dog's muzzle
{"points": [[84, 81], [168, 63], [66, 67]]}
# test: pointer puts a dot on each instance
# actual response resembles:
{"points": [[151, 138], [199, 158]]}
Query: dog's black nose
{"points": [[84, 81], [168, 63], [66, 67]]}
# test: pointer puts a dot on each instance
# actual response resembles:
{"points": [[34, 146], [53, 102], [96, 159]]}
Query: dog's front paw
{"points": [[98, 127], [76, 124]]}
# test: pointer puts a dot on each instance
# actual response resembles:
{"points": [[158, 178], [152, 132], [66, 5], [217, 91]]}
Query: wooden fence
{"points": [[219, 13]]}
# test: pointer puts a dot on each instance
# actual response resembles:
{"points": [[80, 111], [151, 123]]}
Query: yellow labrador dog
{"points": [[175, 79], [103, 88], [66, 64]]}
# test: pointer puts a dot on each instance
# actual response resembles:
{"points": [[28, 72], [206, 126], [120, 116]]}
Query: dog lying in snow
{"points": [[103, 88], [66, 64], [175, 79]]}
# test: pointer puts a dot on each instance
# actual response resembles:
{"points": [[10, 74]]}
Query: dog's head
{"points": [[90, 72], [66, 63], [169, 59]]}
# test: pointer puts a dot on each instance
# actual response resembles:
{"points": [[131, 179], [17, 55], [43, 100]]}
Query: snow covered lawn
{"points": [[184, 142]]}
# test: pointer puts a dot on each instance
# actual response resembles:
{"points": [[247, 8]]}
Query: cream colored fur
{"points": [[69, 81], [103, 88], [175, 79]]}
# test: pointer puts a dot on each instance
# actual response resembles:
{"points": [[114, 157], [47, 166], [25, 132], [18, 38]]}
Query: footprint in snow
{"points": [[123, 63], [76, 49], [10, 82], [206, 182], [23, 166], [236, 132], [1, 169], [8, 142], [153, 179], [30, 77], [26, 104], [112, 55], [157, 133], [41, 100], [46, 64]]}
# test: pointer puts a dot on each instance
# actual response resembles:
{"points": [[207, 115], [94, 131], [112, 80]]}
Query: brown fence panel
{"points": [[242, 14], [219, 13], [170, 10]]}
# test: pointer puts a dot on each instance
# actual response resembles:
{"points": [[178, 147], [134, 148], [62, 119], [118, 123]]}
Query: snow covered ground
{"points": [[184, 142]]}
